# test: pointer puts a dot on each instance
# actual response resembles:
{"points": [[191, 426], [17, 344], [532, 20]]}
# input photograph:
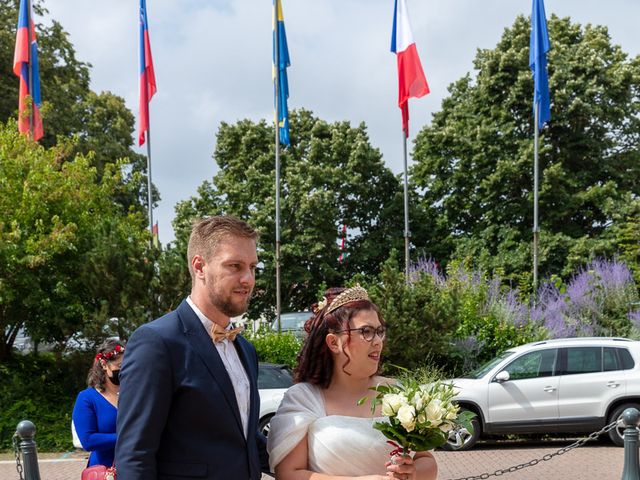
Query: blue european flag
{"points": [[538, 48]]}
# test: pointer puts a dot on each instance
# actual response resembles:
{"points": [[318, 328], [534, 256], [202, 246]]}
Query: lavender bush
{"points": [[601, 300], [484, 316]]}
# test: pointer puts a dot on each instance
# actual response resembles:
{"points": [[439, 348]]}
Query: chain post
{"points": [[549, 456], [631, 420], [16, 451], [26, 430]]}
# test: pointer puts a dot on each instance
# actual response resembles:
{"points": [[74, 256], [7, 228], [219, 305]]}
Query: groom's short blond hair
{"points": [[208, 232]]}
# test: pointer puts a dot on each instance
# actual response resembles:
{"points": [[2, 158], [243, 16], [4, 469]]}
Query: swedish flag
{"points": [[281, 57]]}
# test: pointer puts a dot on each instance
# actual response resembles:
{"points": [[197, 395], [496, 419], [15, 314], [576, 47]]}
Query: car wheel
{"points": [[461, 438], [264, 425], [617, 434]]}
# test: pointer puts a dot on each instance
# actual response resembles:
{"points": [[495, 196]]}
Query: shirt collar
{"points": [[206, 322]]}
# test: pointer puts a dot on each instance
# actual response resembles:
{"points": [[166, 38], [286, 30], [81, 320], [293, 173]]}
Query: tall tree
{"points": [[331, 176], [473, 164], [70, 257]]}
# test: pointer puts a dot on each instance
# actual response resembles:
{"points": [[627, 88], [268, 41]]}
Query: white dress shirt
{"points": [[234, 368]]}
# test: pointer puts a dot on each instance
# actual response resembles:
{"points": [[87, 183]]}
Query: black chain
{"points": [[16, 450], [545, 458]]}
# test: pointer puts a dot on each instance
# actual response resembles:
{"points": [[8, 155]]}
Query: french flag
{"points": [[24, 45], [147, 76], [411, 79]]}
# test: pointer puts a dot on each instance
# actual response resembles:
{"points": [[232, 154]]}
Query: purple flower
{"points": [[595, 292], [426, 266]]}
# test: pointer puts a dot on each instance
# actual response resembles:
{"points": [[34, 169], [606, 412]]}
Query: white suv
{"points": [[571, 385]]}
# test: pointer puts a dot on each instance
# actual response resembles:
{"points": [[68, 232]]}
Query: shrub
{"points": [[41, 388], [419, 318], [600, 300], [274, 347], [453, 321]]}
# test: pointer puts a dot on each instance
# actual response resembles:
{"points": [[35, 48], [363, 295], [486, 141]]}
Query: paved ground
{"points": [[595, 461]]}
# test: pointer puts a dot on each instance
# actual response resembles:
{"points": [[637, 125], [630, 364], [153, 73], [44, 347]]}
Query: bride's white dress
{"points": [[338, 444]]}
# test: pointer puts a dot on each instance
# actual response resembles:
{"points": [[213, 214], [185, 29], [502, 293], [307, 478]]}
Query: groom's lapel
{"points": [[201, 342]]}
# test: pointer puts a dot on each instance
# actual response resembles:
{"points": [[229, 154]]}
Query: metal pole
{"points": [[30, 67], [26, 430], [536, 227], [276, 63], [631, 419], [407, 234], [149, 187]]}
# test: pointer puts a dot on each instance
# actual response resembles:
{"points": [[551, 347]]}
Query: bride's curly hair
{"points": [[315, 362]]}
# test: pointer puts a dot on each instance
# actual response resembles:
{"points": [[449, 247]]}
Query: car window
{"points": [[274, 377], [626, 360], [583, 360], [616, 359], [536, 364], [485, 368], [291, 321], [610, 360]]}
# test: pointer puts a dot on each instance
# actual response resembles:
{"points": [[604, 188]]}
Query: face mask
{"points": [[115, 377]]}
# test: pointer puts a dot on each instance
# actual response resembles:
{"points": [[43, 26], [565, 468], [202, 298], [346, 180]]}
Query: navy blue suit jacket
{"points": [[177, 413]]}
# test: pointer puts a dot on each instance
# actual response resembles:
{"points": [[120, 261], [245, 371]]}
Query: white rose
{"points": [[407, 417], [435, 412], [452, 414], [391, 403], [418, 401]]}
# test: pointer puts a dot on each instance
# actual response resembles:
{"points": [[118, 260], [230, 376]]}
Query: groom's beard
{"points": [[227, 304]]}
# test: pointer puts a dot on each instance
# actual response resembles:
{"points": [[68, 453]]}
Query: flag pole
{"points": [[30, 68], [276, 64], [407, 234], [149, 183], [536, 227]]}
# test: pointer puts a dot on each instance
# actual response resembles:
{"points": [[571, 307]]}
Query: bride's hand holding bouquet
{"points": [[421, 413]]}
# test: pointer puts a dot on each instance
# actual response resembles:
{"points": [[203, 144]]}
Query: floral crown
{"points": [[109, 355], [352, 294]]}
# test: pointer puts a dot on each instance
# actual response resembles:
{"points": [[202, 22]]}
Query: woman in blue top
{"points": [[94, 414]]}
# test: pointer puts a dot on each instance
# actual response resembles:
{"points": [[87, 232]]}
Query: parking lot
{"points": [[599, 460]]}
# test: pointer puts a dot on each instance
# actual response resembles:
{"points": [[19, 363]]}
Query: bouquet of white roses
{"points": [[421, 412]]}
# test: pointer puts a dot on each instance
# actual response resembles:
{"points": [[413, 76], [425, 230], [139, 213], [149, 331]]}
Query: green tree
{"points": [[70, 257], [474, 162], [331, 176]]}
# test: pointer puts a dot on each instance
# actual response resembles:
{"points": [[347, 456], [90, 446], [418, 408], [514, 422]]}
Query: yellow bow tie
{"points": [[218, 333]]}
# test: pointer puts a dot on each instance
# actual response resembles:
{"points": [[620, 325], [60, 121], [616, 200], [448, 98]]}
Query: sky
{"points": [[212, 60]]}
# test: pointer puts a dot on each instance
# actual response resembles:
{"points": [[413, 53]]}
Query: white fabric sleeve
{"points": [[301, 406]]}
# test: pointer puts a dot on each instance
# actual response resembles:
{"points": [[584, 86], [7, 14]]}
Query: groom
{"points": [[189, 400]]}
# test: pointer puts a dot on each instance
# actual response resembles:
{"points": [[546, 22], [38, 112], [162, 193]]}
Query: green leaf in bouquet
{"points": [[432, 439], [392, 433]]}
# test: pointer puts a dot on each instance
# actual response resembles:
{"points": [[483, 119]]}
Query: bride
{"points": [[320, 432]]}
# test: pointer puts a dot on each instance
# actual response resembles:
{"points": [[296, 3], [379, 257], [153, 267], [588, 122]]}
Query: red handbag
{"points": [[99, 472]]}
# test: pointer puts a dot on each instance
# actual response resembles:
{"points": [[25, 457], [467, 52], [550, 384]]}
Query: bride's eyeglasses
{"points": [[367, 332]]}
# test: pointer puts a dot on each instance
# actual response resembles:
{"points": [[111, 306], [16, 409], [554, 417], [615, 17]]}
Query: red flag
{"points": [[26, 52], [411, 79], [344, 236], [155, 235], [147, 75]]}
